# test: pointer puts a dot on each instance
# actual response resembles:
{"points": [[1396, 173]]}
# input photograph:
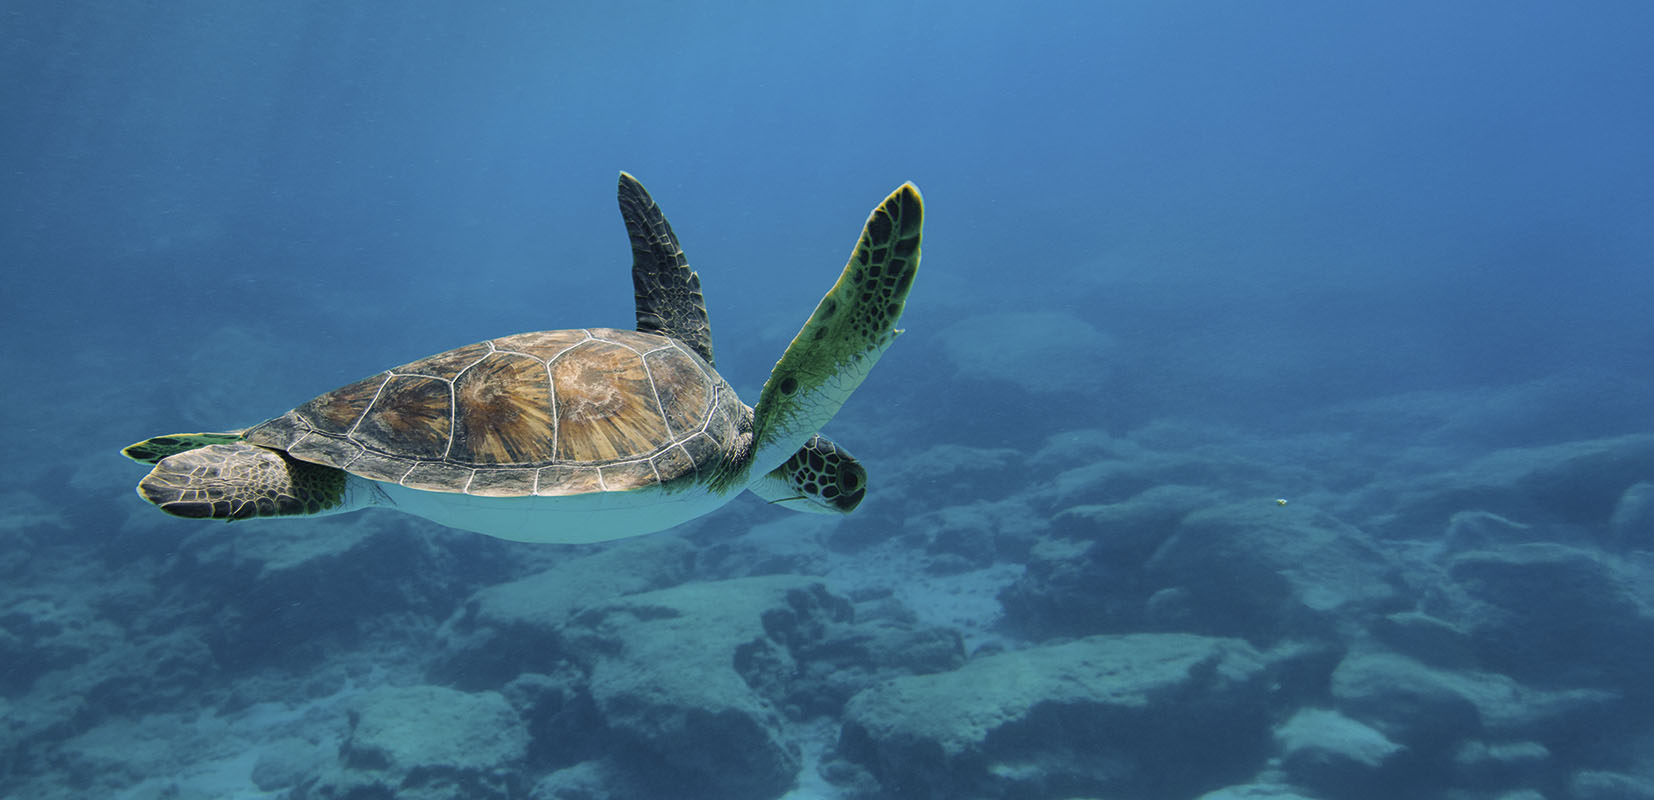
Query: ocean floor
{"points": [[1384, 602]]}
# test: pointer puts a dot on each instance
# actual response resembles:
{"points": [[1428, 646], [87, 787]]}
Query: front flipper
{"points": [[851, 328], [669, 301], [241, 481], [156, 448], [821, 478]]}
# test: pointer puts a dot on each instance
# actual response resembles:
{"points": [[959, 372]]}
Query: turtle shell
{"points": [[547, 413]]}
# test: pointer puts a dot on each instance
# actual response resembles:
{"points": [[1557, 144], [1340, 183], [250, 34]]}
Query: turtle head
{"points": [[821, 478]]}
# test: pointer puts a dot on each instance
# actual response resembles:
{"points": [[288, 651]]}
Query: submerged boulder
{"points": [[1434, 712], [512, 628], [1104, 715], [1020, 347], [1579, 482], [704, 677], [616, 663], [682, 673], [1257, 791], [427, 742], [1269, 572], [1632, 523], [1554, 614], [1602, 785], [1087, 576], [1323, 748]]}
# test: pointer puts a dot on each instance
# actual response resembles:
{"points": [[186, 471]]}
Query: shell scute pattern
{"points": [[447, 366], [674, 460], [377, 466], [606, 404], [319, 449], [340, 409], [502, 483], [412, 414], [437, 476], [684, 398], [544, 345], [560, 480], [503, 413], [548, 413], [628, 473]]}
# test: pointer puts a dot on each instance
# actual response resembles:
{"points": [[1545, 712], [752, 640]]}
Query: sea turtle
{"points": [[576, 435]]}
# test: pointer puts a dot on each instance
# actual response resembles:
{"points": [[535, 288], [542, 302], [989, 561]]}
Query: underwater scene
{"points": [[1272, 417]]}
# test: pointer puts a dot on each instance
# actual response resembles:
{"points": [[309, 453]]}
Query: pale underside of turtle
{"points": [[572, 435]]}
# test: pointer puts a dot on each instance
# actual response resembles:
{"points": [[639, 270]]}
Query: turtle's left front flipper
{"points": [[155, 448], [241, 481]]}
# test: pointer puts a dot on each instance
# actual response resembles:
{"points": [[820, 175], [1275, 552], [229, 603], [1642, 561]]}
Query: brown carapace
{"points": [[545, 413]]}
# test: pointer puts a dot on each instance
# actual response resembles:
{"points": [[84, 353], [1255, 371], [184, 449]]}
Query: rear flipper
{"points": [[241, 481], [821, 478]]}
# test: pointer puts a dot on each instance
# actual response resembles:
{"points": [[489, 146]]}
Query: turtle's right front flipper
{"points": [[850, 329], [241, 481], [821, 478]]}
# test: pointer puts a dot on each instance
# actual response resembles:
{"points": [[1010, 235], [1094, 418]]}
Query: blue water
{"points": [[1386, 262]]}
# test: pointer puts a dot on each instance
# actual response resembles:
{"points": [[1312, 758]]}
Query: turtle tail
{"points": [[152, 450], [241, 481]]}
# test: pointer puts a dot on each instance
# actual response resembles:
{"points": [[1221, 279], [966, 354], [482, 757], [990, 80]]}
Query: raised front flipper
{"points": [[851, 328]]}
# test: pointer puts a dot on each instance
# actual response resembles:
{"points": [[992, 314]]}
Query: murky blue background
{"points": [[1401, 227]]}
